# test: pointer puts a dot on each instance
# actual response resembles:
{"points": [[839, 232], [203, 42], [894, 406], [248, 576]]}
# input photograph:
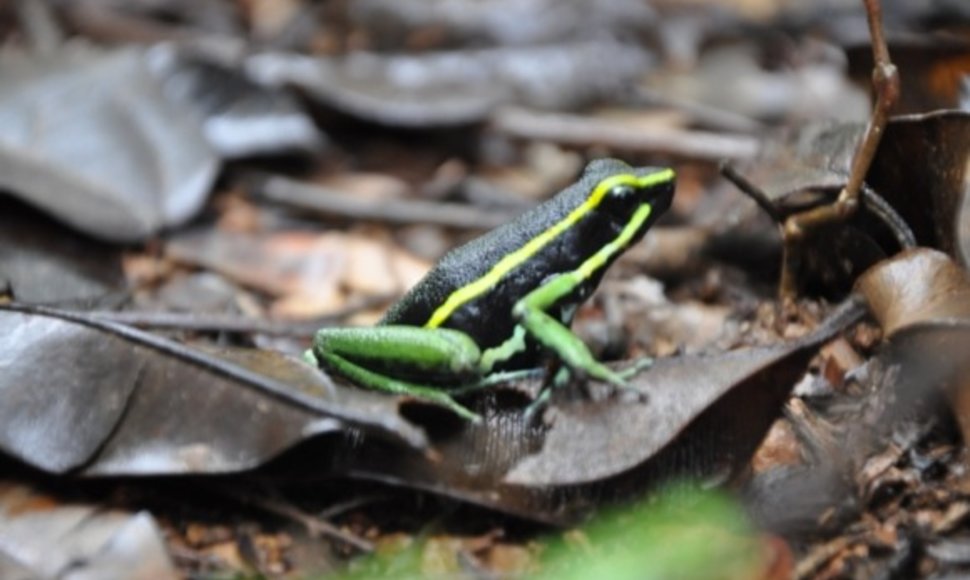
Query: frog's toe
{"points": [[536, 405], [639, 365], [614, 378], [463, 411], [629, 392]]}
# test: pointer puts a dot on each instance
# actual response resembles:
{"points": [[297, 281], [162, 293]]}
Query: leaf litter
{"points": [[869, 446]]}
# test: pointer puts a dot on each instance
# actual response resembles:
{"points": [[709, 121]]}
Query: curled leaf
{"points": [[918, 286]]}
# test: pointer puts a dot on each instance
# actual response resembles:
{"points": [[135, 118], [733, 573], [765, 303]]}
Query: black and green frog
{"points": [[501, 303]]}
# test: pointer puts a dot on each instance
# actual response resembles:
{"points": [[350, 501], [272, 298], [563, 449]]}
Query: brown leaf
{"points": [[311, 273], [922, 300], [919, 286]]}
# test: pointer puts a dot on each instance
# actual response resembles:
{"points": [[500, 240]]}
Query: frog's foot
{"points": [[537, 405], [497, 379], [630, 392], [618, 380], [446, 401]]}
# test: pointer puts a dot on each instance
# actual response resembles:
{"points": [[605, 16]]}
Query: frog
{"points": [[502, 305]]}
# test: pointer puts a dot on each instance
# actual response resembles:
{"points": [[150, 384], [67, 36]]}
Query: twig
{"points": [[229, 323], [38, 23], [873, 202], [712, 117], [316, 527], [579, 130], [752, 191], [108, 25], [885, 82], [821, 555], [328, 201], [345, 506]]}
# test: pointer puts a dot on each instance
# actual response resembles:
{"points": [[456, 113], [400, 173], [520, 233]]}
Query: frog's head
{"points": [[621, 190]]}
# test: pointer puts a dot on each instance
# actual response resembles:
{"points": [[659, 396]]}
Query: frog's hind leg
{"points": [[377, 381]]}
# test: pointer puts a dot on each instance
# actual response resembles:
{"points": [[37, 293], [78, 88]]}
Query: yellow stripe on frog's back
{"points": [[490, 279]]}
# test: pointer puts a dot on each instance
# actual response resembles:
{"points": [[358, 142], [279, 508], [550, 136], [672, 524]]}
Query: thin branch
{"points": [[334, 203], [37, 20], [229, 323], [752, 191], [880, 208], [711, 117], [315, 526], [885, 82], [581, 130]]}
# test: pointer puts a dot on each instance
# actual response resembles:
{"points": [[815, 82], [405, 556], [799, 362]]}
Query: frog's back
{"points": [[470, 262]]}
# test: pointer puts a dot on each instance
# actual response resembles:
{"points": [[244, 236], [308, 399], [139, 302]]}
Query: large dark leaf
{"points": [[164, 409], [89, 137], [98, 398], [704, 418]]}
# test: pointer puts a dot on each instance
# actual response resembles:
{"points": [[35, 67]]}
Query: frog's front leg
{"points": [[532, 313], [371, 356]]}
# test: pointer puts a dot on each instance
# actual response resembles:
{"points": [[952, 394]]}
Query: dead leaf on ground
{"points": [[734, 78], [89, 137], [44, 262], [93, 397], [310, 273], [505, 22], [42, 538], [922, 300], [918, 287], [238, 117], [457, 87]]}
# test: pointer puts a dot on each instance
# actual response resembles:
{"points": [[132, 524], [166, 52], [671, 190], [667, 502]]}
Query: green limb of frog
{"points": [[449, 356], [532, 310], [445, 354]]}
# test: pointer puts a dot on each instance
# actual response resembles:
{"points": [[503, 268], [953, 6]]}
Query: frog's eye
{"points": [[621, 191]]}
